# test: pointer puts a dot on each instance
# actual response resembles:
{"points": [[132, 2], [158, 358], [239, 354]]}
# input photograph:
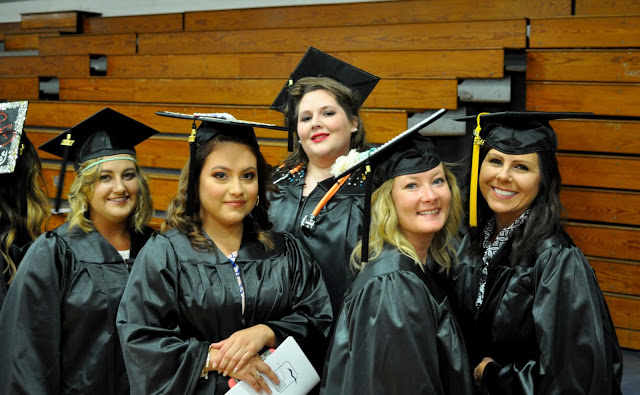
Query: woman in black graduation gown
{"points": [[58, 322], [534, 317], [395, 333], [218, 286], [322, 112], [24, 205]]}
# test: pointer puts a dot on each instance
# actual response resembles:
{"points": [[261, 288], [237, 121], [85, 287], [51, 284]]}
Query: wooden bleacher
{"points": [[585, 32], [133, 24], [103, 44], [588, 62], [59, 66], [390, 12], [581, 56]]}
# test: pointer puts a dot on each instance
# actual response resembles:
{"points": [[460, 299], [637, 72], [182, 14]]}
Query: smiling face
{"points": [[228, 188], [422, 202], [115, 194], [509, 184], [324, 128]]}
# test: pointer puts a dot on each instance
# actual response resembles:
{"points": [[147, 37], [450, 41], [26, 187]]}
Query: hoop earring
{"points": [[257, 202]]}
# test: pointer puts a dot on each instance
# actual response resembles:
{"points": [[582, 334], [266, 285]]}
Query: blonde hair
{"points": [[384, 228], [82, 190]]}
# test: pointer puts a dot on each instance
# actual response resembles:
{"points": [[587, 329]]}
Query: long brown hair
{"points": [[24, 186]]}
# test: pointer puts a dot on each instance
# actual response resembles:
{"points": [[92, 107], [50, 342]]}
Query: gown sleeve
{"points": [[310, 318], [578, 348], [385, 341], [30, 321], [157, 357]]}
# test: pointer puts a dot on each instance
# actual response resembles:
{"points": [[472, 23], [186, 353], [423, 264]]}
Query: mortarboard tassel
{"points": [[63, 170], [192, 170], [290, 116], [473, 187], [367, 215]]}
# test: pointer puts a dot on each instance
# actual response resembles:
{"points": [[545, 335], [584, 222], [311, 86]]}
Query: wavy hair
{"points": [[257, 220], [82, 189], [346, 98], [384, 228], [24, 186], [545, 217]]}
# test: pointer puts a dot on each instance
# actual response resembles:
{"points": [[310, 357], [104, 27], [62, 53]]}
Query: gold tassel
{"points": [[192, 137], [473, 187]]}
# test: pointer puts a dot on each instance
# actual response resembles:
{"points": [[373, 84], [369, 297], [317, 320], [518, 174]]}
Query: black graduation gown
{"points": [[544, 320], [336, 231], [57, 326], [179, 300], [396, 335]]}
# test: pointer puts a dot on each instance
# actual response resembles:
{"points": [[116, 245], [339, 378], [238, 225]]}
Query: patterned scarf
{"points": [[492, 248]]}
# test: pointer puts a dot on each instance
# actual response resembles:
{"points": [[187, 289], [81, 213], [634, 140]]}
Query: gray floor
{"points": [[630, 372]]}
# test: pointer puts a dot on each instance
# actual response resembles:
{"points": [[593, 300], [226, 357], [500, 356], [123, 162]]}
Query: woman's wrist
{"points": [[269, 336], [207, 368]]}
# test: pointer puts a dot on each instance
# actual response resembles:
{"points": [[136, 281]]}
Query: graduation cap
{"points": [[513, 133], [12, 117], [214, 124], [407, 153], [105, 133], [316, 63]]}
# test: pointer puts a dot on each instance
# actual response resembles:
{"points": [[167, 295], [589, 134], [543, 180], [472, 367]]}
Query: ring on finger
{"points": [[257, 375]]}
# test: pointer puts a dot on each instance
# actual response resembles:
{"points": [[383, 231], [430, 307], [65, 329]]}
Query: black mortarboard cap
{"points": [[316, 63], [105, 133], [211, 126], [408, 157], [513, 133], [407, 153], [12, 117]]}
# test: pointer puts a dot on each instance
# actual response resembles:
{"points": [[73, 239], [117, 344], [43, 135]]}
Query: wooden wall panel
{"points": [[610, 136], [583, 65], [606, 241], [600, 171], [59, 66], [133, 24], [600, 205], [389, 12], [625, 311], [607, 7], [447, 35], [103, 44], [416, 94], [381, 125], [601, 99], [586, 32], [617, 276], [24, 41], [628, 338], [478, 63], [19, 88], [60, 21]]}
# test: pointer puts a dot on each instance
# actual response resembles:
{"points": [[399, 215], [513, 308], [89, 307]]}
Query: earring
{"points": [[257, 201]]}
